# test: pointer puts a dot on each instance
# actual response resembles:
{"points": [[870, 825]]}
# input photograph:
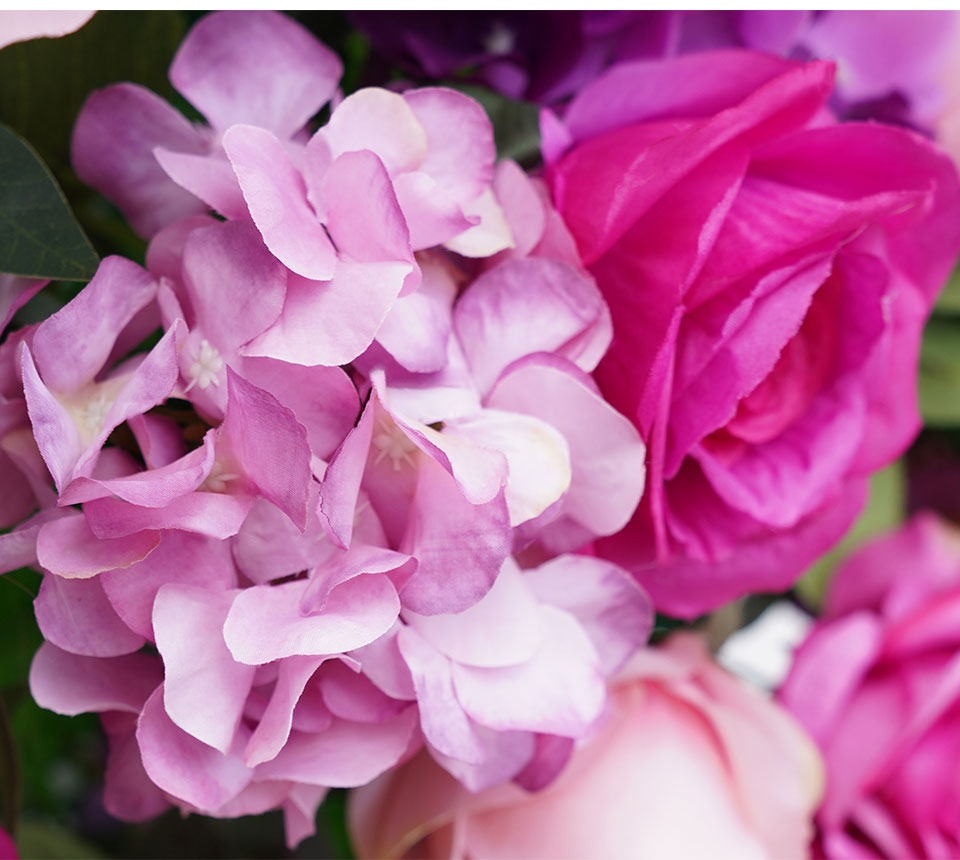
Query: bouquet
{"points": [[429, 403]]}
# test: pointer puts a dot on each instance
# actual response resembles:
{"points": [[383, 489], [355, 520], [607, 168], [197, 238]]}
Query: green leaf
{"points": [[49, 841], [19, 635], [949, 301], [39, 237], [885, 510], [44, 82], [939, 382], [516, 124]]}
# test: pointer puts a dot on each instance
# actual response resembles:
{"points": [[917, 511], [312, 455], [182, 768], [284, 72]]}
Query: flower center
{"points": [[391, 443], [218, 479], [206, 367]]}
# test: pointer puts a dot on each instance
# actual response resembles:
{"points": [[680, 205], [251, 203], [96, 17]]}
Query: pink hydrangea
{"points": [[272, 574], [424, 159]]}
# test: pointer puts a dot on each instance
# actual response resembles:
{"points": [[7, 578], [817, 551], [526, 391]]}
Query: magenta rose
{"points": [[877, 685], [769, 272]]}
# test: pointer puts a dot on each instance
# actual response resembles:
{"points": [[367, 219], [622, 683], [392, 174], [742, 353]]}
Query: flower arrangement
{"points": [[374, 449]]}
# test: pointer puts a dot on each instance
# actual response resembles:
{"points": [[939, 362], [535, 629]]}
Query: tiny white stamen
{"points": [[217, 480], [206, 367], [92, 414], [390, 441]]}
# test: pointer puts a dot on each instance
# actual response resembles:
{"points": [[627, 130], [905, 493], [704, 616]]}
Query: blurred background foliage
{"points": [[51, 767]]}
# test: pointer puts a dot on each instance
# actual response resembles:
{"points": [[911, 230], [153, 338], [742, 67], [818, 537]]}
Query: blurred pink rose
{"points": [[21, 26], [877, 684], [8, 850], [769, 272], [689, 763]]}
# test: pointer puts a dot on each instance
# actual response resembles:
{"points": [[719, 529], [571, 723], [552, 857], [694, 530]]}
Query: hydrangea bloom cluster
{"points": [[326, 518], [370, 468]]}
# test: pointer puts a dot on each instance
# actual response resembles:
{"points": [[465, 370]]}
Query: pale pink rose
{"points": [[21, 25], [690, 762]]}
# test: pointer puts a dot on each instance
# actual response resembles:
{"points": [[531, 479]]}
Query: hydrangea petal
{"points": [[112, 151], [71, 684], [266, 624], [220, 66], [276, 197], [204, 688], [75, 614]]}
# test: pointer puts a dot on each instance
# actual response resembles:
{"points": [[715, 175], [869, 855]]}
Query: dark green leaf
{"points": [[39, 237], [44, 82], [19, 635], [516, 125]]}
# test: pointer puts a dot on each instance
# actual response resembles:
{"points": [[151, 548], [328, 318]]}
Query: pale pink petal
{"points": [[47, 24], [269, 546], [300, 812], [537, 455], [269, 445], [382, 662], [74, 614], [527, 306], [521, 205], [15, 292], [255, 67], [442, 719], [350, 695], [431, 213], [68, 548], [341, 482], [607, 455], [608, 604], [460, 150], [490, 235], [345, 755], [467, 637], [153, 488], [53, 428], [332, 322], [70, 684], [86, 327], [273, 729], [204, 688], [370, 229], [235, 285], [207, 177], [416, 330], [184, 767], [357, 561], [160, 439], [381, 122], [112, 150], [446, 533], [277, 200], [180, 558], [219, 515], [323, 399], [560, 691], [505, 755], [128, 793], [266, 623], [147, 386]]}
